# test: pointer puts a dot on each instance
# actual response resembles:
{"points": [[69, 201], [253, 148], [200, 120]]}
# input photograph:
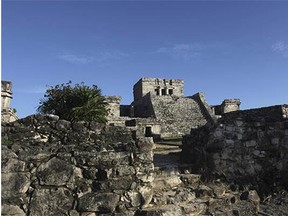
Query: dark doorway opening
{"points": [[157, 91], [148, 132], [170, 91], [163, 91]]}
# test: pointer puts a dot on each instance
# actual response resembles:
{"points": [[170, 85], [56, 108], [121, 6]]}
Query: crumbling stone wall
{"points": [[113, 106], [54, 167], [247, 147], [7, 114], [228, 105]]}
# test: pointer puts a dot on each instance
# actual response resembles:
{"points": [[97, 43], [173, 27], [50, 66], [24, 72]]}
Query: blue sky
{"points": [[236, 49]]}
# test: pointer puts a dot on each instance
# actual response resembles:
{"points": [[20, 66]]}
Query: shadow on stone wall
{"points": [[248, 148], [55, 167]]}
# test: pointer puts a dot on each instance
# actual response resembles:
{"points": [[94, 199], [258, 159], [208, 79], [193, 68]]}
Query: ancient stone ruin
{"points": [[162, 110], [231, 161], [7, 114]]}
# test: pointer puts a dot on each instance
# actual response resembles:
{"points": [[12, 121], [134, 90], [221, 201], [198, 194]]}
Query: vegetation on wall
{"points": [[74, 103]]}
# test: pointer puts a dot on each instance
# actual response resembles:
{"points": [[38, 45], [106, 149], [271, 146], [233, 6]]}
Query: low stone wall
{"points": [[247, 147], [55, 167]]}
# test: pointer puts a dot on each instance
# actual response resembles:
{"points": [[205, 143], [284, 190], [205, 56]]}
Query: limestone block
{"points": [[166, 182], [63, 125], [73, 213], [51, 202], [12, 165], [123, 183], [7, 153], [134, 198], [14, 184], [88, 214], [94, 202], [146, 156], [166, 210], [146, 195], [194, 209], [11, 210], [55, 172], [145, 177], [125, 170]]}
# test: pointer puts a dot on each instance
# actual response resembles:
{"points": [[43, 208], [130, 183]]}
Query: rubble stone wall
{"points": [[55, 167], [247, 147]]}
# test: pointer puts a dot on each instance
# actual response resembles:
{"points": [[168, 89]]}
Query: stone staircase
{"points": [[177, 191]]}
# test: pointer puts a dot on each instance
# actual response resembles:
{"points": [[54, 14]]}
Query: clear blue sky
{"points": [[235, 49]]}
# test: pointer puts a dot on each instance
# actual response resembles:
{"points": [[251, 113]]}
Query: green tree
{"points": [[74, 103]]}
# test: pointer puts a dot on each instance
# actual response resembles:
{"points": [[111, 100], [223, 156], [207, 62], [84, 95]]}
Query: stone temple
{"points": [[161, 109]]}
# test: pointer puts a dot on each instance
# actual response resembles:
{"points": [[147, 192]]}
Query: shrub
{"points": [[74, 103]]}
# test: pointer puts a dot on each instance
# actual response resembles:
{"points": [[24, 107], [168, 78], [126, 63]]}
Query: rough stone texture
{"points": [[228, 105], [157, 86], [113, 106], [12, 210], [247, 147], [176, 115], [57, 201], [54, 167], [191, 196], [163, 100], [7, 114]]}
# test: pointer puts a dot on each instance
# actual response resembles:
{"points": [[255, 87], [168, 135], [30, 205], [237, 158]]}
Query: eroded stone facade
{"points": [[7, 114], [163, 100], [159, 87]]}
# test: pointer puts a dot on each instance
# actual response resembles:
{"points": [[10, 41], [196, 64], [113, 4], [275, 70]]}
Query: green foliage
{"points": [[74, 103]]}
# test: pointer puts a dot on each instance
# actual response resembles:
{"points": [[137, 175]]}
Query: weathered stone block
{"points": [[51, 202], [94, 202], [125, 170], [11, 210], [55, 172], [134, 198], [166, 182], [123, 183], [12, 165], [14, 184], [63, 125], [146, 195]]}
